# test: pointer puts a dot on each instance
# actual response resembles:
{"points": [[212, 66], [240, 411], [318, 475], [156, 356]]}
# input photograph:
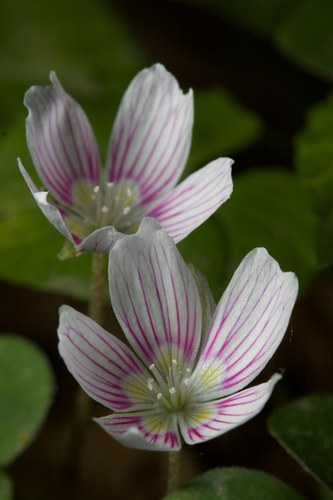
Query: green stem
{"points": [[174, 471], [83, 403], [97, 288]]}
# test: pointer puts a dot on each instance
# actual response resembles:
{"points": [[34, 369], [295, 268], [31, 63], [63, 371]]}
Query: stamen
{"points": [[150, 384]]}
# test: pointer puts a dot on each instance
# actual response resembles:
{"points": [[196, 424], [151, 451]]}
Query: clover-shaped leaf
{"points": [[26, 390]]}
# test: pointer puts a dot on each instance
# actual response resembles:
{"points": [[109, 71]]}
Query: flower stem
{"points": [[83, 403], [97, 288], [174, 471]]}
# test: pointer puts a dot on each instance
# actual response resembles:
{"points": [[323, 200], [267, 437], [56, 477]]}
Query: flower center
{"points": [[169, 390], [114, 204]]}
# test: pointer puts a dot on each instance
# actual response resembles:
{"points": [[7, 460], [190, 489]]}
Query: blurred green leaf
{"points": [[205, 249], [270, 209], [26, 390], [85, 41], [221, 126], [306, 35], [314, 162], [305, 429], [235, 483], [325, 240], [314, 154], [6, 490]]}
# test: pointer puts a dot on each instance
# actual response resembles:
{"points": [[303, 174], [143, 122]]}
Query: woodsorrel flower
{"points": [[148, 149], [179, 378]]}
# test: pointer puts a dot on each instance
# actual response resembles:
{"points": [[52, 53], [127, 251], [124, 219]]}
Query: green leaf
{"points": [[305, 429], [270, 209], [221, 126], [83, 40], [325, 241], [314, 155], [314, 162], [235, 483], [205, 249], [6, 490], [306, 35], [26, 390]]}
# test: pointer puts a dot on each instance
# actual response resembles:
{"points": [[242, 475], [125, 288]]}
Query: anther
{"points": [[96, 189], [150, 383], [104, 209]]}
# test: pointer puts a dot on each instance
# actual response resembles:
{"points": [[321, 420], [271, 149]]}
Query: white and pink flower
{"points": [[179, 379], [148, 149]]}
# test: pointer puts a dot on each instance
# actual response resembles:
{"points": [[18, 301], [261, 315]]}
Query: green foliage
{"points": [[314, 162], [304, 428], [235, 484], [26, 391], [221, 126], [6, 490], [270, 209], [314, 154], [306, 36], [205, 249]]}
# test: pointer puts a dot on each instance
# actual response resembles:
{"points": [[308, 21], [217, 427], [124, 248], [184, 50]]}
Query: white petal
{"points": [[51, 212], [208, 304], [60, 140], [103, 240], [155, 299], [194, 200], [209, 420], [143, 431], [105, 367], [151, 137], [250, 321]]}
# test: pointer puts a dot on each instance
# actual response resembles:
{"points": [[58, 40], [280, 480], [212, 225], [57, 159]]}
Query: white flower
{"points": [[177, 380], [148, 149]]}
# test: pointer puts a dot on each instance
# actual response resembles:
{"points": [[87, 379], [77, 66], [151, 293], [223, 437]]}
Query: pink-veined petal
{"points": [[101, 240], [143, 430], [104, 367], [60, 140], [51, 212], [155, 298], [151, 137], [250, 321], [208, 304], [209, 420], [194, 200]]}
